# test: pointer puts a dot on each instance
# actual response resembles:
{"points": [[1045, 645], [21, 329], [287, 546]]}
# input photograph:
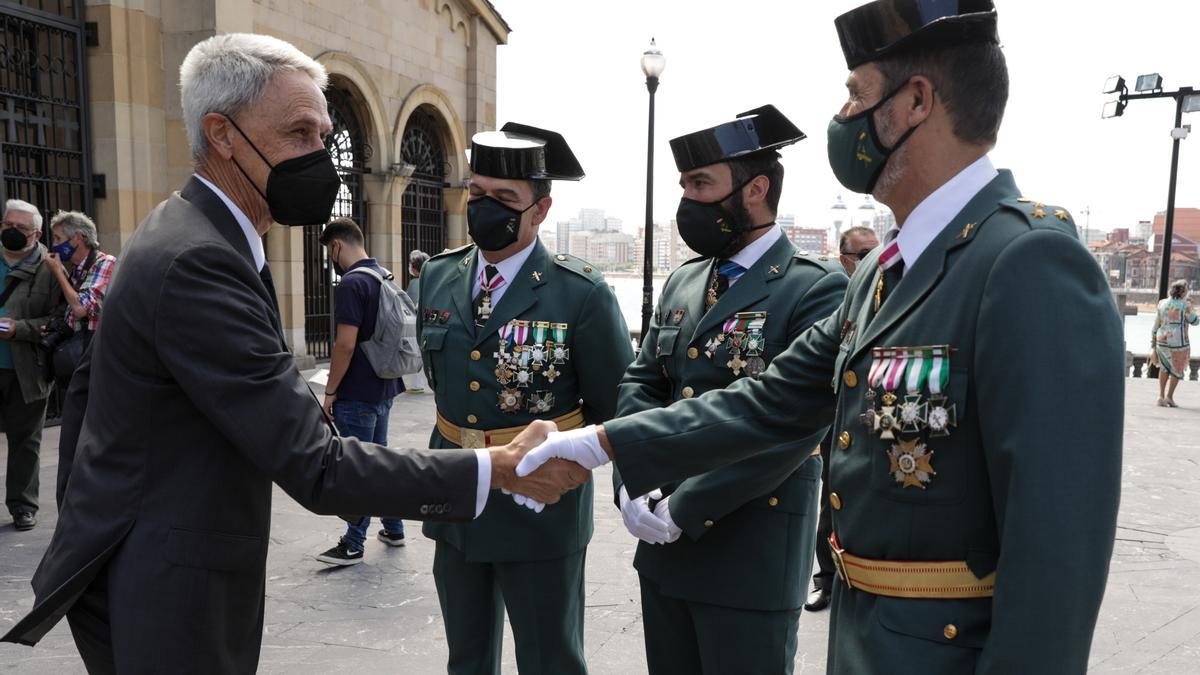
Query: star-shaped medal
{"points": [[551, 373], [510, 400], [910, 464], [524, 377], [941, 417], [541, 402], [913, 414]]}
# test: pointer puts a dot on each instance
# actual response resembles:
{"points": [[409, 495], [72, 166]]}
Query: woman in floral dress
{"points": [[1170, 340]]}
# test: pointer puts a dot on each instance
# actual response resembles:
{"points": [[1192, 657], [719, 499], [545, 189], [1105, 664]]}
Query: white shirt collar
{"points": [[252, 236], [509, 268], [757, 248], [934, 213]]}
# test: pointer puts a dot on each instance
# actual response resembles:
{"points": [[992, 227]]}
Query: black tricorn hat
{"points": [[753, 131], [885, 27], [523, 152]]}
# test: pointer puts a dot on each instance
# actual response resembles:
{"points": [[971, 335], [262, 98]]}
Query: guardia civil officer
{"points": [[726, 598], [512, 333], [974, 495]]}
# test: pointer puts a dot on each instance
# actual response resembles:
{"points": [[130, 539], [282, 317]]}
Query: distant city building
{"points": [[884, 221], [549, 239], [669, 250], [807, 239], [1187, 223], [786, 221]]}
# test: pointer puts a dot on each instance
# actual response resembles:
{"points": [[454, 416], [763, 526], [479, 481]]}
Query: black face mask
{"points": [[333, 258], [492, 225], [710, 229], [300, 190], [14, 240]]}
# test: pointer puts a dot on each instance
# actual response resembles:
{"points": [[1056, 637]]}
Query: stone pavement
{"points": [[382, 616]]}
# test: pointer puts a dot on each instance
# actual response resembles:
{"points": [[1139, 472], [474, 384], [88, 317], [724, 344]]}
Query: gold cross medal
{"points": [[510, 400], [910, 463], [551, 373]]}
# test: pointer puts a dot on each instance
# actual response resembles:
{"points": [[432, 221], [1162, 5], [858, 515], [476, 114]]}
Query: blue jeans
{"points": [[366, 422]]}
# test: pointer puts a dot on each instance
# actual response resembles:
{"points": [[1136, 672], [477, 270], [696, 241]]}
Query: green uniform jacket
{"points": [[749, 526], [461, 368], [1026, 485]]}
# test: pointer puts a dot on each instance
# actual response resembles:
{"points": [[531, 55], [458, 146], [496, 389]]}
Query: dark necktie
{"points": [[489, 281]]}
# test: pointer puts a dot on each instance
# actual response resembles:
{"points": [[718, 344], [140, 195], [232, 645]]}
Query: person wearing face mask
{"points": [[28, 299], [709, 604], [974, 493], [854, 246], [158, 560], [512, 333], [83, 272]]}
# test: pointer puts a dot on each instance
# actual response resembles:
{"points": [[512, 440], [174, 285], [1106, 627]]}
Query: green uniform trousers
{"points": [[695, 637], [544, 599]]}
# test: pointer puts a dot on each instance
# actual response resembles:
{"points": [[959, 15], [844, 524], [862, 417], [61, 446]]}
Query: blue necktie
{"points": [[727, 271]]}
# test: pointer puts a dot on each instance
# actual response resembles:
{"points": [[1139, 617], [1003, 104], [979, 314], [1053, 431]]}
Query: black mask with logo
{"points": [[300, 190], [14, 240], [492, 225], [711, 229]]}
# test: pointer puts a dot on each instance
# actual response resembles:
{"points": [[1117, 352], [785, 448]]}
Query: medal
{"points": [[755, 366], [910, 464], [886, 372], [537, 355], [524, 374], [941, 416], [868, 417], [510, 400], [551, 373], [559, 352], [736, 364], [541, 402]]}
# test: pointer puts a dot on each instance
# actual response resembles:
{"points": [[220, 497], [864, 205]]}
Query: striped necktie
{"points": [[891, 266], [727, 272], [489, 280]]}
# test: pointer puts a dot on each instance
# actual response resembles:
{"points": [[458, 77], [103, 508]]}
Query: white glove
{"points": [[663, 511], [527, 502], [641, 521], [581, 446]]}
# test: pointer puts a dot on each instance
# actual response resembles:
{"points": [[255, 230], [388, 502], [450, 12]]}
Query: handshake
{"points": [[542, 464]]}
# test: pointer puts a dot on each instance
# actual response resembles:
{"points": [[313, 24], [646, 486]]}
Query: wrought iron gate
{"points": [[43, 113], [422, 206], [350, 154]]}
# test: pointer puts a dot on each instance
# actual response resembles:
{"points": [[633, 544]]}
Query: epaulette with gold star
{"points": [[1043, 216]]}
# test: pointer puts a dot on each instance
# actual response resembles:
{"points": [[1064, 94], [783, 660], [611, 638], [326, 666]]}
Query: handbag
{"points": [[68, 354]]}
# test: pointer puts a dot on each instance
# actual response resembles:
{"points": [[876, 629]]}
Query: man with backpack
{"points": [[357, 398]]}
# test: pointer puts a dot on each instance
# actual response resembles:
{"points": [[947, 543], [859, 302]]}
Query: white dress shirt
{"points": [[483, 458], [755, 250], [252, 236], [934, 213], [509, 268]]}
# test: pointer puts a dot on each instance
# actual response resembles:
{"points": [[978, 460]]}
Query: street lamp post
{"points": [[1186, 100], [653, 63]]}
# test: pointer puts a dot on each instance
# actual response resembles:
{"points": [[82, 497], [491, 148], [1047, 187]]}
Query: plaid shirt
{"points": [[91, 283]]}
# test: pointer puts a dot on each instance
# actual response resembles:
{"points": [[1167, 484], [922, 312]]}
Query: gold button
{"points": [[844, 440], [693, 352], [474, 385], [850, 379], [475, 355], [950, 631], [773, 501], [708, 523], [835, 501], [560, 257], [587, 269], [472, 419], [688, 392]]}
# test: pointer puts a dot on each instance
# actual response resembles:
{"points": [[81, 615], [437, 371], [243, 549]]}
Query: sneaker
{"points": [[24, 520], [1162, 403], [341, 555], [391, 538]]}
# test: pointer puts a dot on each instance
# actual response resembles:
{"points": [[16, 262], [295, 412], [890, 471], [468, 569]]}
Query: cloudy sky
{"points": [[573, 66]]}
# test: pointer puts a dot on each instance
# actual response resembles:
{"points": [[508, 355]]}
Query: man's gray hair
{"points": [[226, 73], [25, 207], [73, 223]]}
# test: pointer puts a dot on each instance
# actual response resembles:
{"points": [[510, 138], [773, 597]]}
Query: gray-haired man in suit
{"points": [[196, 406]]}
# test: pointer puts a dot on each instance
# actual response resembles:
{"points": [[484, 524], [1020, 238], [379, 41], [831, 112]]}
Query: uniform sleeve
{"points": [[214, 334], [643, 387], [793, 399], [718, 493], [601, 352], [1053, 455]]}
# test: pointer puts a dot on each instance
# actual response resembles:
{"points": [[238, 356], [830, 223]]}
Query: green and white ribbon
{"points": [[939, 369]]}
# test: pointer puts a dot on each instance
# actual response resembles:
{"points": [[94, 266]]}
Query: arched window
{"points": [[423, 208], [350, 152]]}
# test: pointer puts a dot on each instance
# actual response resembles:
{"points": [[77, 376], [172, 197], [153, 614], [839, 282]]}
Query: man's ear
{"points": [[218, 132], [922, 100], [542, 210], [755, 192]]}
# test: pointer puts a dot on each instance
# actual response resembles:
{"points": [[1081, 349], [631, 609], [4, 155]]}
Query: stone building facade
{"points": [[90, 118]]}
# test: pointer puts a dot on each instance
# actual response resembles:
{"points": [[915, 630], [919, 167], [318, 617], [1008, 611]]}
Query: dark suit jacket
{"points": [[193, 407]]}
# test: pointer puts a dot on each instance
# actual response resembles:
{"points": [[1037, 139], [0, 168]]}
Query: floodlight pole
{"points": [[1168, 227]]}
